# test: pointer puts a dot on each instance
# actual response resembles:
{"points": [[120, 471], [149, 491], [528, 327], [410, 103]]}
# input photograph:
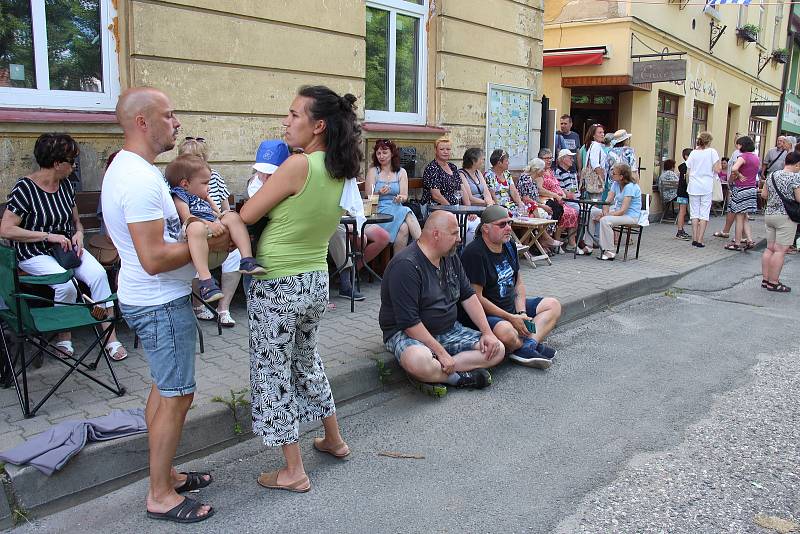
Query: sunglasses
{"points": [[198, 139], [71, 161], [502, 224]]}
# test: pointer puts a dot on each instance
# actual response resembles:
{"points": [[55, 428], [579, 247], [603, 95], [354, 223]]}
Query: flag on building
{"points": [[723, 2]]}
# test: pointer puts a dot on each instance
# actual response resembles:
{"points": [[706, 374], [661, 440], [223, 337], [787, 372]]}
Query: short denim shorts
{"points": [[458, 339], [168, 333], [530, 310]]}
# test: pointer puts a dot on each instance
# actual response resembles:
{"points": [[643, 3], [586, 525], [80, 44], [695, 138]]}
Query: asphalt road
{"points": [[676, 412]]}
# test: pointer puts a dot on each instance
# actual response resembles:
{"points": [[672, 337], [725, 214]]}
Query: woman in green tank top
{"points": [[286, 304]]}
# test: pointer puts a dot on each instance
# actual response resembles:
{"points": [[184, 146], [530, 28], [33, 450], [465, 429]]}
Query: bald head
{"points": [[137, 101], [439, 220]]}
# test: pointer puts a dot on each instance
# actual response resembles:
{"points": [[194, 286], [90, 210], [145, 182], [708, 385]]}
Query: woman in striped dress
{"points": [[744, 192], [41, 213]]}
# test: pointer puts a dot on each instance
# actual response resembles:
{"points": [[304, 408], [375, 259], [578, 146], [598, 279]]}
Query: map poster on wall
{"points": [[509, 115]]}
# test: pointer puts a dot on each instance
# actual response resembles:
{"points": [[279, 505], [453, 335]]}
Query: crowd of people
{"points": [[449, 311]]}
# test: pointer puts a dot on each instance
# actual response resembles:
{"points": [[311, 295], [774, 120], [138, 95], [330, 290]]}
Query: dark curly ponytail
{"points": [[343, 155]]}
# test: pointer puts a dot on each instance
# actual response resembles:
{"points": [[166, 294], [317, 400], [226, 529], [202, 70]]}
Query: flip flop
{"points": [[331, 451], [194, 481], [270, 481], [114, 348], [185, 512]]}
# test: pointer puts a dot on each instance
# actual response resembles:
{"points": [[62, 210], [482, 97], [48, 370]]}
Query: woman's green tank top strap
{"points": [[296, 238]]}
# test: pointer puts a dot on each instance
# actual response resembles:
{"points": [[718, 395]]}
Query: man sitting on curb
{"points": [[420, 291], [492, 265]]}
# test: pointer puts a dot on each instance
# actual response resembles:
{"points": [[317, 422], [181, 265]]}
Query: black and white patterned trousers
{"points": [[287, 376]]}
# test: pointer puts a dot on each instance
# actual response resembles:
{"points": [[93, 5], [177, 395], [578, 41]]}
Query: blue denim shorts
{"points": [[168, 333], [458, 339], [530, 309]]}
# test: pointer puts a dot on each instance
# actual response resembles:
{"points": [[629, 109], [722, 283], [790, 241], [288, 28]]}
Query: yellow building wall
{"points": [[729, 77], [475, 45]]}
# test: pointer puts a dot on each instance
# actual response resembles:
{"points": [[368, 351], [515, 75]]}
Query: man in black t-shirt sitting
{"points": [[421, 289], [492, 265]]}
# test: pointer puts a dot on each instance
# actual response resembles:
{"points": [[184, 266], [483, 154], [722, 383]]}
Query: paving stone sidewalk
{"points": [[345, 337]]}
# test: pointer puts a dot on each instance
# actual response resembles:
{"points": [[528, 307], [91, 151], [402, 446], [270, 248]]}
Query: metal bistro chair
{"points": [[633, 229], [37, 326]]}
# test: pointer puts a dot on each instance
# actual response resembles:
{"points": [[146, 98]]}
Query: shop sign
{"points": [[764, 110], [666, 70], [791, 113]]}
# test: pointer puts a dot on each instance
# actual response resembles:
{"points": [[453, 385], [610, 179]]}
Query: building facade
{"points": [[790, 112], [420, 68], [731, 83]]}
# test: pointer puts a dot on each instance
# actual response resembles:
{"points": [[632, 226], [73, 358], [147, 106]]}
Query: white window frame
{"points": [[45, 98], [400, 7]]}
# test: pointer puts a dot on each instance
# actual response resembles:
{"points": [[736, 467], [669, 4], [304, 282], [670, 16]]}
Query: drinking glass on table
{"points": [[457, 194]]}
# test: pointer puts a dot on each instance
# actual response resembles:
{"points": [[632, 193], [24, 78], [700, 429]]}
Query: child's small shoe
{"points": [[251, 266], [209, 290]]}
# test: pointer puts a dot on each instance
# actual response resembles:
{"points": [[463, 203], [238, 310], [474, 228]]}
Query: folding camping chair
{"points": [[37, 326]]}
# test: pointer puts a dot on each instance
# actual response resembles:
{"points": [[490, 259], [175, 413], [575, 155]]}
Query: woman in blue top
{"points": [[626, 206], [387, 179]]}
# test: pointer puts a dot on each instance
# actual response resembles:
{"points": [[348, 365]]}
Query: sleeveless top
{"points": [[475, 187], [295, 240], [749, 170]]}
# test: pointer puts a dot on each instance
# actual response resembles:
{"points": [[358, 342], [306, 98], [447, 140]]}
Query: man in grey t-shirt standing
{"points": [[776, 157], [566, 138]]}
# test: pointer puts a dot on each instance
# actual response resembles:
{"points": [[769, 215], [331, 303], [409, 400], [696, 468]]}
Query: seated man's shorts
{"points": [[458, 339], [530, 308], [168, 333]]}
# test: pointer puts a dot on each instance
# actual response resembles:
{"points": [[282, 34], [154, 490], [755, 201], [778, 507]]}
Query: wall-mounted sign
{"points": [[791, 113], [665, 70], [764, 110]]}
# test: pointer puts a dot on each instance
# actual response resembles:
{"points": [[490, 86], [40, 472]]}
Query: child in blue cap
{"points": [[271, 153]]}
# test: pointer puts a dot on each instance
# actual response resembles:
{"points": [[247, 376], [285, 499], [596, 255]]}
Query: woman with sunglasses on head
{"points": [[474, 185], [387, 179], [229, 281], [41, 214], [594, 153], [285, 306]]}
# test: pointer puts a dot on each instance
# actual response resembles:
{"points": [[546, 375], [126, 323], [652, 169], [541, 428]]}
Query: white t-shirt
{"points": [[701, 171], [135, 191]]}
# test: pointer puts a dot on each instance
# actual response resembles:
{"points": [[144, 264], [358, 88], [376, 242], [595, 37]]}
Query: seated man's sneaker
{"points": [[477, 379], [434, 390], [530, 356], [546, 351]]}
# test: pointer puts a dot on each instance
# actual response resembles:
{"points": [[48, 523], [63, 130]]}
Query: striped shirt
{"points": [[41, 211], [217, 190]]}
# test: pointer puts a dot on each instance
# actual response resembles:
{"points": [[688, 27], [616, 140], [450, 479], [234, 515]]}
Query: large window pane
{"points": [[377, 59], [73, 45], [17, 68], [406, 64]]}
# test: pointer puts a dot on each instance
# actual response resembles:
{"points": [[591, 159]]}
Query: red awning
{"points": [[573, 57]]}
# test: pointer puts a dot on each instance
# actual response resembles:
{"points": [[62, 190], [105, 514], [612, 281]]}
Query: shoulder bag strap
{"points": [[774, 160], [777, 190]]}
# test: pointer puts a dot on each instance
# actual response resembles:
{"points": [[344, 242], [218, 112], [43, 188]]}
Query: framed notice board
{"points": [[511, 115]]}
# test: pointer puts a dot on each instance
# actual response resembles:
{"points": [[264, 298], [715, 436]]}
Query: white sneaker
{"points": [[203, 313]]}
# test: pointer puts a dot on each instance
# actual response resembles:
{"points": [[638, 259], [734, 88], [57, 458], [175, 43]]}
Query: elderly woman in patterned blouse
{"points": [[501, 184]]}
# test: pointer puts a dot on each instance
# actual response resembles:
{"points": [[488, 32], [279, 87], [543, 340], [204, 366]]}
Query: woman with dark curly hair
{"points": [[286, 304], [41, 214], [387, 179]]}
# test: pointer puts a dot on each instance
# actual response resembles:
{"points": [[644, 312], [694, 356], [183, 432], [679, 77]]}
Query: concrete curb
{"points": [[103, 467]]}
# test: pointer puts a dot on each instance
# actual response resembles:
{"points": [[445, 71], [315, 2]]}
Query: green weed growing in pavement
{"points": [[673, 292], [18, 515], [236, 399], [384, 372]]}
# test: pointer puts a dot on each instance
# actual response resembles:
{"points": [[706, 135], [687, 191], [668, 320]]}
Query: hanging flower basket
{"points": [[780, 56], [748, 33]]}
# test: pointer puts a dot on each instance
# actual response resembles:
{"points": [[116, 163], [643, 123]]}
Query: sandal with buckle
{"points": [[270, 481], [747, 244], [65, 347], [226, 320], [778, 288], [733, 246]]}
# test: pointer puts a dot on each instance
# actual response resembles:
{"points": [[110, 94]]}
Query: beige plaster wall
{"points": [[475, 45]]}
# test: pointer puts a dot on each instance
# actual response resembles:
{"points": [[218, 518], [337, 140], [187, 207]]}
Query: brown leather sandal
{"points": [[270, 480], [336, 451]]}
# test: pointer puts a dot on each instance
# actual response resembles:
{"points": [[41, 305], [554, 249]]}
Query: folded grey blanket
{"points": [[51, 450]]}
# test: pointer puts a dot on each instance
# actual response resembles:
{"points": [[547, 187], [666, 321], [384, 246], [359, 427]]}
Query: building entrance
{"points": [[593, 108]]}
